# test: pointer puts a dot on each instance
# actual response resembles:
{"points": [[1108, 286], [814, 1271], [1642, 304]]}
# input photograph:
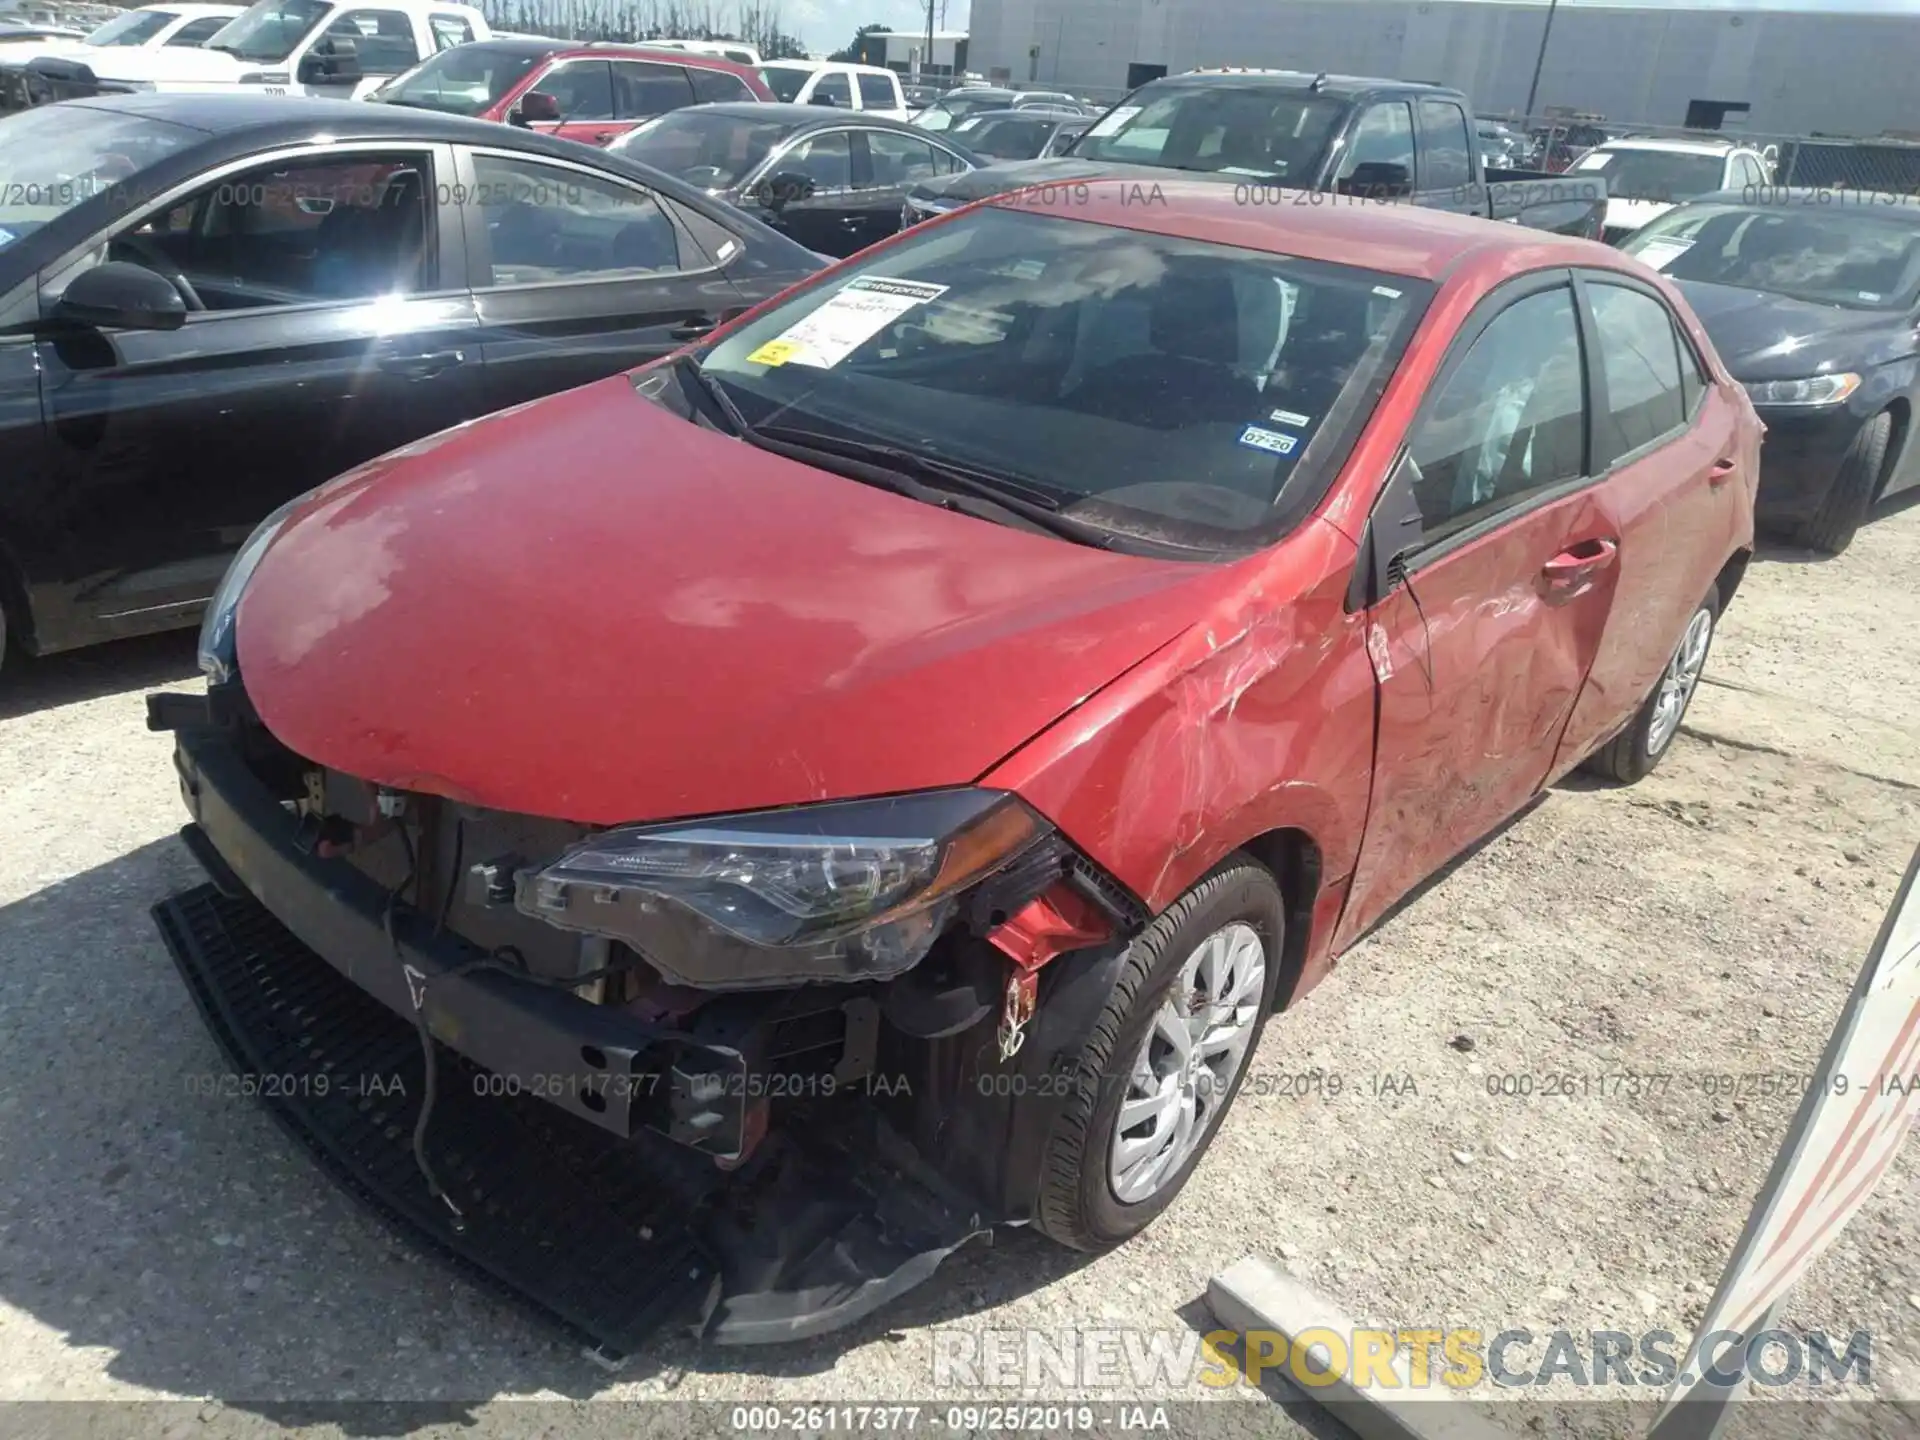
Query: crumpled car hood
{"points": [[591, 609]]}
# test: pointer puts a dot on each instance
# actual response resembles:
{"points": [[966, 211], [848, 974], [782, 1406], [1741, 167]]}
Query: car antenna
{"points": [[1319, 81]]}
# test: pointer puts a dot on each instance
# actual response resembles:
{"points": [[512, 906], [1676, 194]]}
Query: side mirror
{"points": [[334, 61], [1379, 180], [536, 105], [778, 191], [822, 98], [118, 295]]}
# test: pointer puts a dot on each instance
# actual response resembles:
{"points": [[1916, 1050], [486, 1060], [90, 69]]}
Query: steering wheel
{"points": [[162, 264]]}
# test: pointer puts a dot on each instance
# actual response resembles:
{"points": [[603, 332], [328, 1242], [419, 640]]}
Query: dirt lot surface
{"points": [[158, 1244]]}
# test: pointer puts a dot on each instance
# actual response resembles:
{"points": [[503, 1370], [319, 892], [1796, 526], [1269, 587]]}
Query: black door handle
{"points": [[422, 367], [693, 329]]}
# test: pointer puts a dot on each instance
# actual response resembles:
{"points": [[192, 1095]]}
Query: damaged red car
{"points": [[711, 842]]}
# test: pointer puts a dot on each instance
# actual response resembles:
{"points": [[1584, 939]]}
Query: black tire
{"points": [[1855, 485], [1077, 1205], [1631, 755]]}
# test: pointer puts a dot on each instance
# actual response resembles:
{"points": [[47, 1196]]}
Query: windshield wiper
{"points": [[710, 390], [1038, 507]]}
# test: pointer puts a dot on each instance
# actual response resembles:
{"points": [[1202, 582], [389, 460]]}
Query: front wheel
{"points": [[1844, 508], [1632, 754], [1165, 1058]]}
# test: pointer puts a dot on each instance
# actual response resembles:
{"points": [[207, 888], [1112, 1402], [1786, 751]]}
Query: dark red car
{"points": [[903, 748], [588, 92]]}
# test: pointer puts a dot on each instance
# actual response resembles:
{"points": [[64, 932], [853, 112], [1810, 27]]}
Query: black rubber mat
{"points": [[571, 1223]]}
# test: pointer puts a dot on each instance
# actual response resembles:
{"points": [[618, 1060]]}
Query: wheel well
{"points": [[1730, 576], [1295, 862], [1902, 414]]}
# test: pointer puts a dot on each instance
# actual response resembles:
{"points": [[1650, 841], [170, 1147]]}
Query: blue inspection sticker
{"points": [[1271, 441]]}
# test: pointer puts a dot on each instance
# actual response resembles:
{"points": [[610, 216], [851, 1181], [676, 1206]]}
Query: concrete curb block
{"points": [[1253, 1294]]}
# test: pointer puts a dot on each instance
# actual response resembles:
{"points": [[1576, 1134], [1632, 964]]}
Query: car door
{"points": [[1667, 448], [880, 95], [578, 274], [895, 162], [1484, 628], [334, 324], [382, 42], [641, 90], [827, 220], [1382, 136], [1445, 145], [583, 89]]}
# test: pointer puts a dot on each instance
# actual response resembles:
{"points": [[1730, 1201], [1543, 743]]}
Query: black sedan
{"points": [[1812, 297], [833, 180], [209, 304]]}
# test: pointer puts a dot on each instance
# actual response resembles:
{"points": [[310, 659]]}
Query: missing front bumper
{"points": [[610, 1240]]}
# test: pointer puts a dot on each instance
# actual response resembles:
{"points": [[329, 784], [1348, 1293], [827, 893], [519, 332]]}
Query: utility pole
{"points": [[927, 63], [1546, 33]]}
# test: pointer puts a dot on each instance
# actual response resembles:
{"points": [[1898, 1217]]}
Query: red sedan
{"points": [[1022, 657]]}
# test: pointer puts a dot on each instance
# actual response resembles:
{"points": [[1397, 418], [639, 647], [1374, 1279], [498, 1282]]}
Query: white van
{"points": [[828, 82], [336, 48], [733, 50]]}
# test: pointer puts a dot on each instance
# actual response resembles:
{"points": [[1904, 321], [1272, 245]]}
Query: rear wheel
{"points": [[1632, 754], [1166, 1058], [1844, 510]]}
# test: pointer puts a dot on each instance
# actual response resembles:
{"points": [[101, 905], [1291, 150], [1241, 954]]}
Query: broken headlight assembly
{"points": [[839, 892]]}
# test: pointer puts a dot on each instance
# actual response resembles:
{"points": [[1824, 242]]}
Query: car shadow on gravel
{"points": [[28, 685], [147, 1215]]}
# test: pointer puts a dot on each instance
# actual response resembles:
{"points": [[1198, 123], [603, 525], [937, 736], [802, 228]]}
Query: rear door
{"points": [[827, 221], [333, 324], [1667, 443], [1509, 552], [578, 274], [895, 163], [1445, 169]]}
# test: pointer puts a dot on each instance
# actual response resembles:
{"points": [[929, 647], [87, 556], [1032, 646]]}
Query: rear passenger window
{"points": [[713, 86], [1640, 358], [642, 88], [1443, 146], [1507, 421], [876, 92]]}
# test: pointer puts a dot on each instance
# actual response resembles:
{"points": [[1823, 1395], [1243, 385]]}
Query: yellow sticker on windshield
{"points": [[774, 352]]}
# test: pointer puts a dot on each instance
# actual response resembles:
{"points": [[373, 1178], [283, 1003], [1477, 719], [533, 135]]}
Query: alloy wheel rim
{"points": [[1680, 680], [1187, 1063]]}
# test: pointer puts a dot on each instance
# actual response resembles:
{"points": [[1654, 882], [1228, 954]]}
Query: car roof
{"points": [[830, 65], [1409, 240], [1811, 197], [1688, 145], [640, 50], [1342, 86], [799, 117], [295, 117]]}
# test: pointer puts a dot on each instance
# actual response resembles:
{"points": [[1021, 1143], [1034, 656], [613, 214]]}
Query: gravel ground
{"points": [[160, 1245]]}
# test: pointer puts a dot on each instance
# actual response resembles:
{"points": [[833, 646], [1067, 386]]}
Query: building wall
{"points": [[1850, 71]]}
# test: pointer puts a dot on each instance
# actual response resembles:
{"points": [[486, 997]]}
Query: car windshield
{"points": [[1668, 176], [950, 110], [1257, 131], [713, 151], [1004, 137], [786, 81], [53, 157], [269, 31], [465, 80], [136, 27], [1863, 255], [1170, 392]]}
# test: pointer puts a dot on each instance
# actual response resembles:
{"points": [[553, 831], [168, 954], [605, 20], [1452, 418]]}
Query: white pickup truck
{"points": [[336, 48]]}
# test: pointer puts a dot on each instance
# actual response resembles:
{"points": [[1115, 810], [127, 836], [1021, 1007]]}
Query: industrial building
{"points": [[1771, 66]]}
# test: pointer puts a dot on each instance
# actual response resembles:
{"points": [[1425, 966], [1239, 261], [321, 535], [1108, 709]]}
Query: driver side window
{"points": [[382, 40], [350, 228]]}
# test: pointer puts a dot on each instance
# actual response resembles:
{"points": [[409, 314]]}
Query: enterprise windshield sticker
{"points": [[1271, 441], [853, 315], [1114, 119], [1661, 253]]}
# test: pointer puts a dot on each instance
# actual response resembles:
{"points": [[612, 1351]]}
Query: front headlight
{"points": [[1814, 390], [853, 890], [217, 660]]}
